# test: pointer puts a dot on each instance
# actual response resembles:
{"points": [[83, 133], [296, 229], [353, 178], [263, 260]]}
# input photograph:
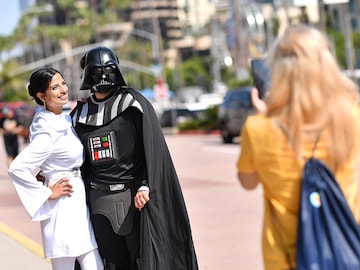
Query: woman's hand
{"points": [[60, 188], [258, 103], [141, 198]]}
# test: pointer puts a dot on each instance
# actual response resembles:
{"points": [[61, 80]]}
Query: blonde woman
{"points": [[309, 98]]}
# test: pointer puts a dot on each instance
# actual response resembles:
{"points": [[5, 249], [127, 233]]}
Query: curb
{"points": [[174, 131], [200, 132]]}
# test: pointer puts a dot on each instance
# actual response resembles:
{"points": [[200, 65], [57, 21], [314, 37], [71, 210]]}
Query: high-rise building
{"points": [[157, 15], [195, 14]]}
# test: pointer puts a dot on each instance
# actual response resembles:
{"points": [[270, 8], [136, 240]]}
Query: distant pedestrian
{"points": [[10, 128]]}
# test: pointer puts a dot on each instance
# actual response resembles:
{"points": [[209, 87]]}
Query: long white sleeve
{"points": [[56, 150], [33, 194]]}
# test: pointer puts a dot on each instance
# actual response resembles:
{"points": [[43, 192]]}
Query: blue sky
{"points": [[9, 16]]}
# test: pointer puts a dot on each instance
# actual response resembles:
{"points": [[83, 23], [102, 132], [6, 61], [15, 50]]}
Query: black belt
{"points": [[108, 187]]}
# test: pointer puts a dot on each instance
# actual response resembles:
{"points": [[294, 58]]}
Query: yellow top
{"points": [[266, 150]]}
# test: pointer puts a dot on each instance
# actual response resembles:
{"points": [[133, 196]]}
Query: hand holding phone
{"points": [[261, 75], [258, 104]]}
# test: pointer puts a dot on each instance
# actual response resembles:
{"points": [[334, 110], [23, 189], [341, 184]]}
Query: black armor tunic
{"points": [[165, 233], [111, 131]]}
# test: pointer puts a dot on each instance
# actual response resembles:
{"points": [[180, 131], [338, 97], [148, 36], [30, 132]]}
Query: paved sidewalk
{"points": [[225, 219], [19, 252]]}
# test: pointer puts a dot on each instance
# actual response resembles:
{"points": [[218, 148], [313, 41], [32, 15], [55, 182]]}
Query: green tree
{"points": [[196, 71], [338, 40], [12, 88]]}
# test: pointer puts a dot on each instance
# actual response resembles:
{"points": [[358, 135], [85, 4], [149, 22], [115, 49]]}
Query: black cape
{"points": [[166, 239], [165, 233]]}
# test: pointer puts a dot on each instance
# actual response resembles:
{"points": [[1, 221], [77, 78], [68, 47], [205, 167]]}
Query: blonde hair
{"points": [[307, 89]]}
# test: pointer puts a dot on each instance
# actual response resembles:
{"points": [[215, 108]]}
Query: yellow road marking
{"points": [[33, 246]]}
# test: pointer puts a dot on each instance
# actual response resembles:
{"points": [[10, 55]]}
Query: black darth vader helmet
{"points": [[101, 71]]}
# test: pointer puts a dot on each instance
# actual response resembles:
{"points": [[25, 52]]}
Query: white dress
{"points": [[55, 149]]}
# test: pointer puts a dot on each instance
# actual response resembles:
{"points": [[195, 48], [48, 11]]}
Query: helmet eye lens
{"points": [[96, 71], [109, 70]]}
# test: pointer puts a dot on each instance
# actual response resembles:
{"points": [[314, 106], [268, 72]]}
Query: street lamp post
{"points": [[81, 50], [156, 27], [239, 48], [350, 54]]}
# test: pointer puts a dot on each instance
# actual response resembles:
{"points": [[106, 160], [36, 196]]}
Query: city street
{"points": [[225, 219]]}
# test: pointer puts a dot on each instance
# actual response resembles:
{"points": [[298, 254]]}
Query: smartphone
{"points": [[261, 75]]}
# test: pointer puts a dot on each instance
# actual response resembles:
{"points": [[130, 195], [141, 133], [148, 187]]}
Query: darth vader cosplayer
{"points": [[126, 151]]}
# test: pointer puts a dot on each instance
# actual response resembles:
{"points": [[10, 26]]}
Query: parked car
{"points": [[233, 111], [173, 117]]}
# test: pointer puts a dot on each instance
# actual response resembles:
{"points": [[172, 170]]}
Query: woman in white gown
{"points": [[60, 205]]}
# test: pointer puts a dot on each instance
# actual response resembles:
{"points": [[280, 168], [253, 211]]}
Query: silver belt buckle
{"points": [[76, 172], [116, 187]]}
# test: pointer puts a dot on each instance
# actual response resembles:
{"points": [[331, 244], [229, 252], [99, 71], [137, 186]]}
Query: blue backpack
{"points": [[328, 236]]}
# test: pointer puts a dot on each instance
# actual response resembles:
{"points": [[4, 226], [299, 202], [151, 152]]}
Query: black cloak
{"points": [[165, 233], [166, 239]]}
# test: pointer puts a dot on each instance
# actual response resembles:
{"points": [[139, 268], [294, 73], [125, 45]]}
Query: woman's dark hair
{"points": [[39, 81]]}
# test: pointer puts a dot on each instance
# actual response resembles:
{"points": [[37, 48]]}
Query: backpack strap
{"points": [[315, 144], [275, 218]]}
